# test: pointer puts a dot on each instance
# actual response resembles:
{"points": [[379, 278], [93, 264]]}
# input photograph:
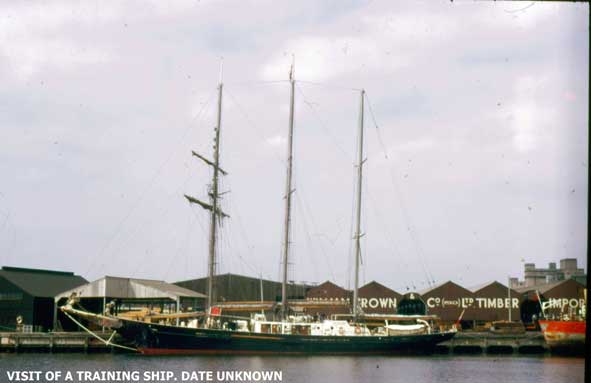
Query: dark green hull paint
{"points": [[162, 339]]}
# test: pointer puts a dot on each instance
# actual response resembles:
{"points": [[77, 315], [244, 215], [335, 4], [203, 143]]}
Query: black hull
{"points": [[154, 339]]}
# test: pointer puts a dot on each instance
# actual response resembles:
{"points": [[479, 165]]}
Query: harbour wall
{"points": [[463, 343]]}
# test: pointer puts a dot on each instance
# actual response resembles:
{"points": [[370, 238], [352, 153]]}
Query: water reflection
{"points": [[325, 369]]}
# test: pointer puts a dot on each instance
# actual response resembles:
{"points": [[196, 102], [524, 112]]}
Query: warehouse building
{"points": [[240, 288], [330, 293], [27, 294], [375, 298], [561, 297], [494, 301], [129, 294], [450, 302]]}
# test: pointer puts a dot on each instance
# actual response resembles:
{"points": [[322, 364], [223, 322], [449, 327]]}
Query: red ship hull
{"points": [[564, 336]]}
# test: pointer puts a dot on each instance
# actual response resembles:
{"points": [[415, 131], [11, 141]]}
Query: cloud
{"points": [[276, 141], [532, 114], [489, 106]]}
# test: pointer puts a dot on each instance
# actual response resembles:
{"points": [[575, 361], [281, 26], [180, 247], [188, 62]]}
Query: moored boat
{"points": [[564, 336], [566, 332], [262, 337], [216, 334]]}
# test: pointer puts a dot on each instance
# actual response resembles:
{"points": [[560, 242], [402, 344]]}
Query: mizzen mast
{"points": [[288, 192], [216, 214], [358, 235]]}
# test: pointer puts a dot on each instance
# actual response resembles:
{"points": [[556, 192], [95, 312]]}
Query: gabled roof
{"points": [[327, 289], [41, 283], [329, 285], [440, 285], [130, 288], [240, 277], [373, 285], [493, 287], [544, 288], [481, 286]]}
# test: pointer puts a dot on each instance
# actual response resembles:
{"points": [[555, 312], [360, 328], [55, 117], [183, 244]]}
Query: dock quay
{"points": [[53, 342], [491, 343], [462, 343]]}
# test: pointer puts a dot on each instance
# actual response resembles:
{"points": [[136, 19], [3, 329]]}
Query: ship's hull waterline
{"points": [[567, 337], [154, 339]]}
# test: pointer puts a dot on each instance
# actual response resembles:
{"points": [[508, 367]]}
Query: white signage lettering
{"points": [[374, 303], [560, 303], [477, 303]]}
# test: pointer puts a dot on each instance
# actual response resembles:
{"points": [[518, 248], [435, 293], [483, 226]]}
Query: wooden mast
{"points": [[214, 208], [358, 234], [214, 199], [288, 193]]}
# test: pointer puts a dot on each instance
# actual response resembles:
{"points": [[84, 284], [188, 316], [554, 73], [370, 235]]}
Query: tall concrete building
{"points": [[538, 276]]}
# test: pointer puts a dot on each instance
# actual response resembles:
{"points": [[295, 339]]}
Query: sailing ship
{"points": [[214, 334]]}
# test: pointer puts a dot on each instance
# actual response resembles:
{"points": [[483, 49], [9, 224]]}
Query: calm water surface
{"points": [[325, 369]]}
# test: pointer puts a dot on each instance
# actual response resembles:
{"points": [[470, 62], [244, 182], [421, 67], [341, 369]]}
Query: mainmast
{"points": [[358, 235], [216, 214], [288, 193]]}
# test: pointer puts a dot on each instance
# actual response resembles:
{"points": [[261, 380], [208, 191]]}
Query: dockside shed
{"points": [[241, 288], [129, 294], [27, 294]]}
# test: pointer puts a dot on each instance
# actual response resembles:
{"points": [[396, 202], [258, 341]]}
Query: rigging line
{"points": [[245, 237], [251, 123], [307, 215], [411, 230], [139, 200], [389, 233], [328, 86], [407, 217], [373, 117], [182, 245], [237, 254], [351, 240], [246, 83], [364, 259], [7, 216], [323, 124], [203, 230], [164, 210], [291, 256]]}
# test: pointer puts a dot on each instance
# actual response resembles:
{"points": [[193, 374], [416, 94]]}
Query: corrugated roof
{"points": [[439, 285], [483, 285], [543, 288], [377, 286], [329, 285], [130, 288], [41, 283], [230, 275], [428, 289]]}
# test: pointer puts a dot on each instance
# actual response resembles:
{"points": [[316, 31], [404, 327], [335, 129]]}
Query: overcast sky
{"points": [[478, 162]]}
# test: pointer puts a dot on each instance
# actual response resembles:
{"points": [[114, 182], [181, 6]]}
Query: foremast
{"points": [[358, 235], [216, 214], [288, 192]]}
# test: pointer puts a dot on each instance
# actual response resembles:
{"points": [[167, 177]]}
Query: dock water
{"points": [[462, 343]]}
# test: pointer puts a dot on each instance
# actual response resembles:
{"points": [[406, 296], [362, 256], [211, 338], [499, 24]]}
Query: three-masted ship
{"points": [[213, 334]]}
